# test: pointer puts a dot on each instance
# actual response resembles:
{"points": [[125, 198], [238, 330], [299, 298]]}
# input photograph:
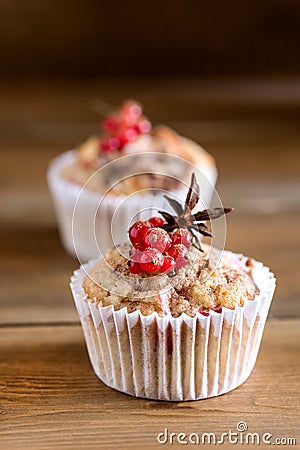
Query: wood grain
{"points": [[96, 38], [50, 398]]}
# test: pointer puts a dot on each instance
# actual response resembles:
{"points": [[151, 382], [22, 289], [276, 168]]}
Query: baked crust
{"points": [[162, 140], [200, 285]]}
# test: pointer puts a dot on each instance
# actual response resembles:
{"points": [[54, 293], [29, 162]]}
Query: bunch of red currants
{"points": [[155, 250], [124, 126]]}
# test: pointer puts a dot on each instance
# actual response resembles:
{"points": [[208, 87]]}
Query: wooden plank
{"points": [[60, 100], [35, 276], [50, 397], [170, 39]]}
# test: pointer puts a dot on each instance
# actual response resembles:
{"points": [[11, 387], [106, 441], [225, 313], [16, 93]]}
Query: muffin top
{"points": [[129, 132], [211, 280]]}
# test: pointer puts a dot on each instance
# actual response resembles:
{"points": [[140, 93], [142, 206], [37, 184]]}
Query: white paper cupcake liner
{"points": [[174, 359], [90, 233]]}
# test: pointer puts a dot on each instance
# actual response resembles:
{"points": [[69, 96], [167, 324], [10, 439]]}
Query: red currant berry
{"points": [[130, 113], [134, 267], [127, 135], [169, 264], [204, 312], [123, 139], [151, 260], [144, 126], [137, 233], [111, 144], [130, 121], [110, 123], [182, 236], [131, 134], [157, 221], [177, 251], [105, 147], [218, 309], [157, 238], [132, 109]]}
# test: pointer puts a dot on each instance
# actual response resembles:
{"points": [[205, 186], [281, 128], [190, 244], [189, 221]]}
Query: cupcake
{"points": [[128, 157], [166, 317]]}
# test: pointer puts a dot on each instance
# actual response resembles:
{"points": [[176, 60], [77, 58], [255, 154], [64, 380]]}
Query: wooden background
{"points": [[157, 38], [49, 396]]}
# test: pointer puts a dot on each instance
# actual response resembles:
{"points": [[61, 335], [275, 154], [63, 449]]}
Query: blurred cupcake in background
{"points": [[129, 156]]}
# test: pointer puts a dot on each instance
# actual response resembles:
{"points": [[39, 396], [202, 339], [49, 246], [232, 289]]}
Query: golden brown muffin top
{"points": [[162, 140], [209, 282]]}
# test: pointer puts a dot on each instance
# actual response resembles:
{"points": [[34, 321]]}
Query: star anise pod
{"points": [[184, 217]]}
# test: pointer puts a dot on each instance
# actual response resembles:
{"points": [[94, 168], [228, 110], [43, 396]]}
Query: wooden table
{"points": [[50, 397]]}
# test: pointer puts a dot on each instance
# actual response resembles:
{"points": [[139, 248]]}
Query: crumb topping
{"points": [[201, 285], [162, 140]]}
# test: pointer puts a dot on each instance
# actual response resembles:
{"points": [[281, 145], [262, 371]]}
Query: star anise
{"points": [[184, 217]]}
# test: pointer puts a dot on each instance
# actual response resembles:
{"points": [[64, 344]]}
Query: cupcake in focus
{"points": [[166, 317], [155, 159]]}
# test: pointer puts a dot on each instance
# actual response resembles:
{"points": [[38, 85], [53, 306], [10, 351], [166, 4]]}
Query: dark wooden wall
{"points": [[149, 38]]}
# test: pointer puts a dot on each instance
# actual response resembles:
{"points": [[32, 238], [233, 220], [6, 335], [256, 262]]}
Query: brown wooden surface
{"points": [[50, 397], [92, 38]]}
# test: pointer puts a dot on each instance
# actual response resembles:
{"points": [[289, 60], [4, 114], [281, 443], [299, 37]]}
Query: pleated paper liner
{"points": [[88, 231], [175, 359]]}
